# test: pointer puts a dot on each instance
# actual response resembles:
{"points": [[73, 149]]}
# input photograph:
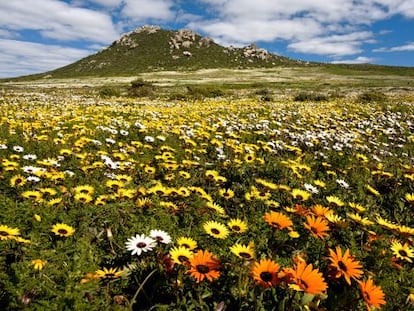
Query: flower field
{"points": [[212, 205]]}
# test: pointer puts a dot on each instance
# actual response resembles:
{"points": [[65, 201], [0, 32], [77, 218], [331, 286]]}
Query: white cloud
{"points": [[143, 10], [334, 45], [358, 60], [242, 32], [402, 48], [57, 20], [22, 57]]}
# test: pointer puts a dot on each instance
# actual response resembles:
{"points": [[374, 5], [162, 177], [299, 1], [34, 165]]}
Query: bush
{"points": [[310, 96], [372, 97], [199, 92], [109, 91], [141, 88]]}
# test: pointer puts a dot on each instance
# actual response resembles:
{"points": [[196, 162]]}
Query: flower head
{"points": [[308, 279], [278, 220], [345, 265], [318, 226], [160, 236], [63, 230], [372, 294], [8, 233], [243, 251], [402, 251], [265, 273], [216, 229], [38, 264], [139, 244], [204, 265]]}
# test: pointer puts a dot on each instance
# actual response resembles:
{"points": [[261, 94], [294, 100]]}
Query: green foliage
{"points": [[109, 91], [141, 88], [200, 92], [372, 97], [310, 96]]}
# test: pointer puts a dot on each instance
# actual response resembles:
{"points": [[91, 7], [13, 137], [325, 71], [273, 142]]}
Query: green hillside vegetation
{"points": [[150, 48]]}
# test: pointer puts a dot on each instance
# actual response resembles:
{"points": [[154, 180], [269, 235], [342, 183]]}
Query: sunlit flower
{"points": [[216, 229], [402, 251], [17, 181], [265, 273], [308, 279], [409, 197], [187, 242], [318, 226], [7, 233], [160, 236], [361, 220], [180, 255], [372, 294], [345, 265], [300, 194], [226, 193], [63, 230], [237, 225], [111, 273], [139, 244], [278, 220], [243, 251], [335, 201], [204, 265], [38, 264]]}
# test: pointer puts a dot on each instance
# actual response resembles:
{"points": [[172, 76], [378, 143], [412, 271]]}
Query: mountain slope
{"points": [[151, 48]]}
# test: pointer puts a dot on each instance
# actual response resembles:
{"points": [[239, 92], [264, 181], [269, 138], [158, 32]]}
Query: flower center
{"points": [[141, 245], [63, 231], [245, 255], [215, 231], [182, 258], [266, 276], [110, 275], [202, 269], [342, 266], [314, 230], [403, 253], [236, 228], [4, 233]]}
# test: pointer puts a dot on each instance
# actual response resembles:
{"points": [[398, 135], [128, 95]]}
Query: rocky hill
{"points": [[150, 48]]}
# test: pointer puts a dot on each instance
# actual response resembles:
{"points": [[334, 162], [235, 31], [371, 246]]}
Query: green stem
{"points": [[133, 301]]}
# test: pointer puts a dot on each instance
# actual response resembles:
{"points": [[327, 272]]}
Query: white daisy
{"points": [[139, 244], [160, 236]]}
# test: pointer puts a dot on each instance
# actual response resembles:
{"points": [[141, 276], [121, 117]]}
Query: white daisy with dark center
{"points": [[140, 243]]}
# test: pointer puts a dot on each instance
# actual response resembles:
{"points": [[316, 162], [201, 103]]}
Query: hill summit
{"points": [[150, 48]]}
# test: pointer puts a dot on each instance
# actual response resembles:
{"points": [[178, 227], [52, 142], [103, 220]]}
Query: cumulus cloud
{"points": [[22, 57], [335, 45], [402, 48], [358, 60], [143, 10], [57, 20]]}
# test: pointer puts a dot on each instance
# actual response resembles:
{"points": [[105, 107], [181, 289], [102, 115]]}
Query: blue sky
{"points": [[40, 35]]}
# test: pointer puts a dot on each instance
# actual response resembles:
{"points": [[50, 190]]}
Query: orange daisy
{"points": [[278, 220], [372, 294], [308, 279], [204, 264], [345, 265], [317, 226], [265, 273]]}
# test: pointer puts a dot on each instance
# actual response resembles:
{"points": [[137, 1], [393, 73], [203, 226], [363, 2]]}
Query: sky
{"points": [[41, 35]]}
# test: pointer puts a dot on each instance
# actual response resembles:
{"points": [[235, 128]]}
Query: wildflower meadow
{"points": [[219, 204]]}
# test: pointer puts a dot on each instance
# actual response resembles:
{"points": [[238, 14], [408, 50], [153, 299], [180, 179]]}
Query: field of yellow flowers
{"points": [[121, 204]]}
